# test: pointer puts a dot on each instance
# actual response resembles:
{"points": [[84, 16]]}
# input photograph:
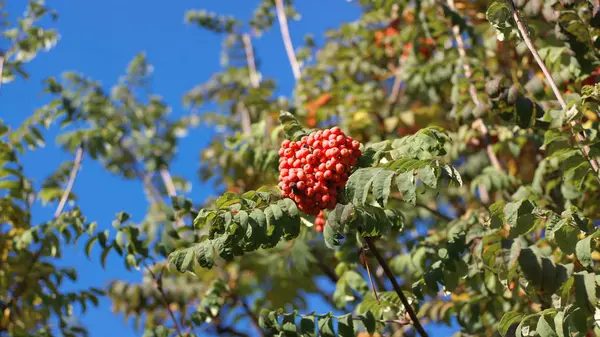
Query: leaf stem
{"points": [[529, 43], [413, 316]]}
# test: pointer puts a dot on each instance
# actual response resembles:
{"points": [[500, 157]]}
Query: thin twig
{"points": [[70, 182], [287, 40], [253, 317], [158, 284], [413, 316], [435, 212], [529, 43], [371, 281]]}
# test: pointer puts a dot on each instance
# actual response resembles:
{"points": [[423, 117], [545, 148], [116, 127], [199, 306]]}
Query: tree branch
{"points": [[2, 59], [158, 284], [254, 79], [413, 316], [529, 43], [171, 191], [287, 40], [71, 181], [252, 316]]}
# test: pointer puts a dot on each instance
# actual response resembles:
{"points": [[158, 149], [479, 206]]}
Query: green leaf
{"points": [[356, 282], [288, 325], [346, 326], [291, 223], [558, 323], [104, 255], [407, 186], [359, 184], [545, 328], [256, 232], [307, 326], [428, 176], [585, 291], [519, 215], [531, 265], [183, 260], [331, 236], [369, 322], [499, 15], [204, 254], [293, 130], [583, 250], [89, 245], [227, 199], [508, 319], [382, 186], [326, 326]]}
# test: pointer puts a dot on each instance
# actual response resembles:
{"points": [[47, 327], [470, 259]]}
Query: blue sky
{"points": [[98, 39]]}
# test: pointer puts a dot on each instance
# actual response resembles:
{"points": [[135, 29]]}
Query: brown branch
{"points": [[158, 284], [252, 316], [230, 330], [413, 316], [434, 212], [529, 43], [287, 40]]}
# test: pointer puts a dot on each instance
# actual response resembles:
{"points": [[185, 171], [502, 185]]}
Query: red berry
{"points": [[314, 169]]}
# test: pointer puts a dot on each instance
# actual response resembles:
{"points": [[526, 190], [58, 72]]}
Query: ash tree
{"points": [[436, 162]]}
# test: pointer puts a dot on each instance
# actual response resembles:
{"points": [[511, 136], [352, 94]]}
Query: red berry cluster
{"points": [[320, 221], [314, 169]]}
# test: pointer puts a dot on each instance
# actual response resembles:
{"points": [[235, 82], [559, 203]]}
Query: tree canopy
{"points": [[474, 203]]}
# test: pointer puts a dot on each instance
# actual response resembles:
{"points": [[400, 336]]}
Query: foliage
{"points": [[478, 180]]}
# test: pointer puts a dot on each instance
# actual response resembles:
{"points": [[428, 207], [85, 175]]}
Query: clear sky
{"points": [[98, 39]]}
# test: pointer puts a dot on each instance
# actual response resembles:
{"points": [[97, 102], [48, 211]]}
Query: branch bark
{"points": [[529, 43], [413, 316], [287, 40], [158, 284], [252, 316]]}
